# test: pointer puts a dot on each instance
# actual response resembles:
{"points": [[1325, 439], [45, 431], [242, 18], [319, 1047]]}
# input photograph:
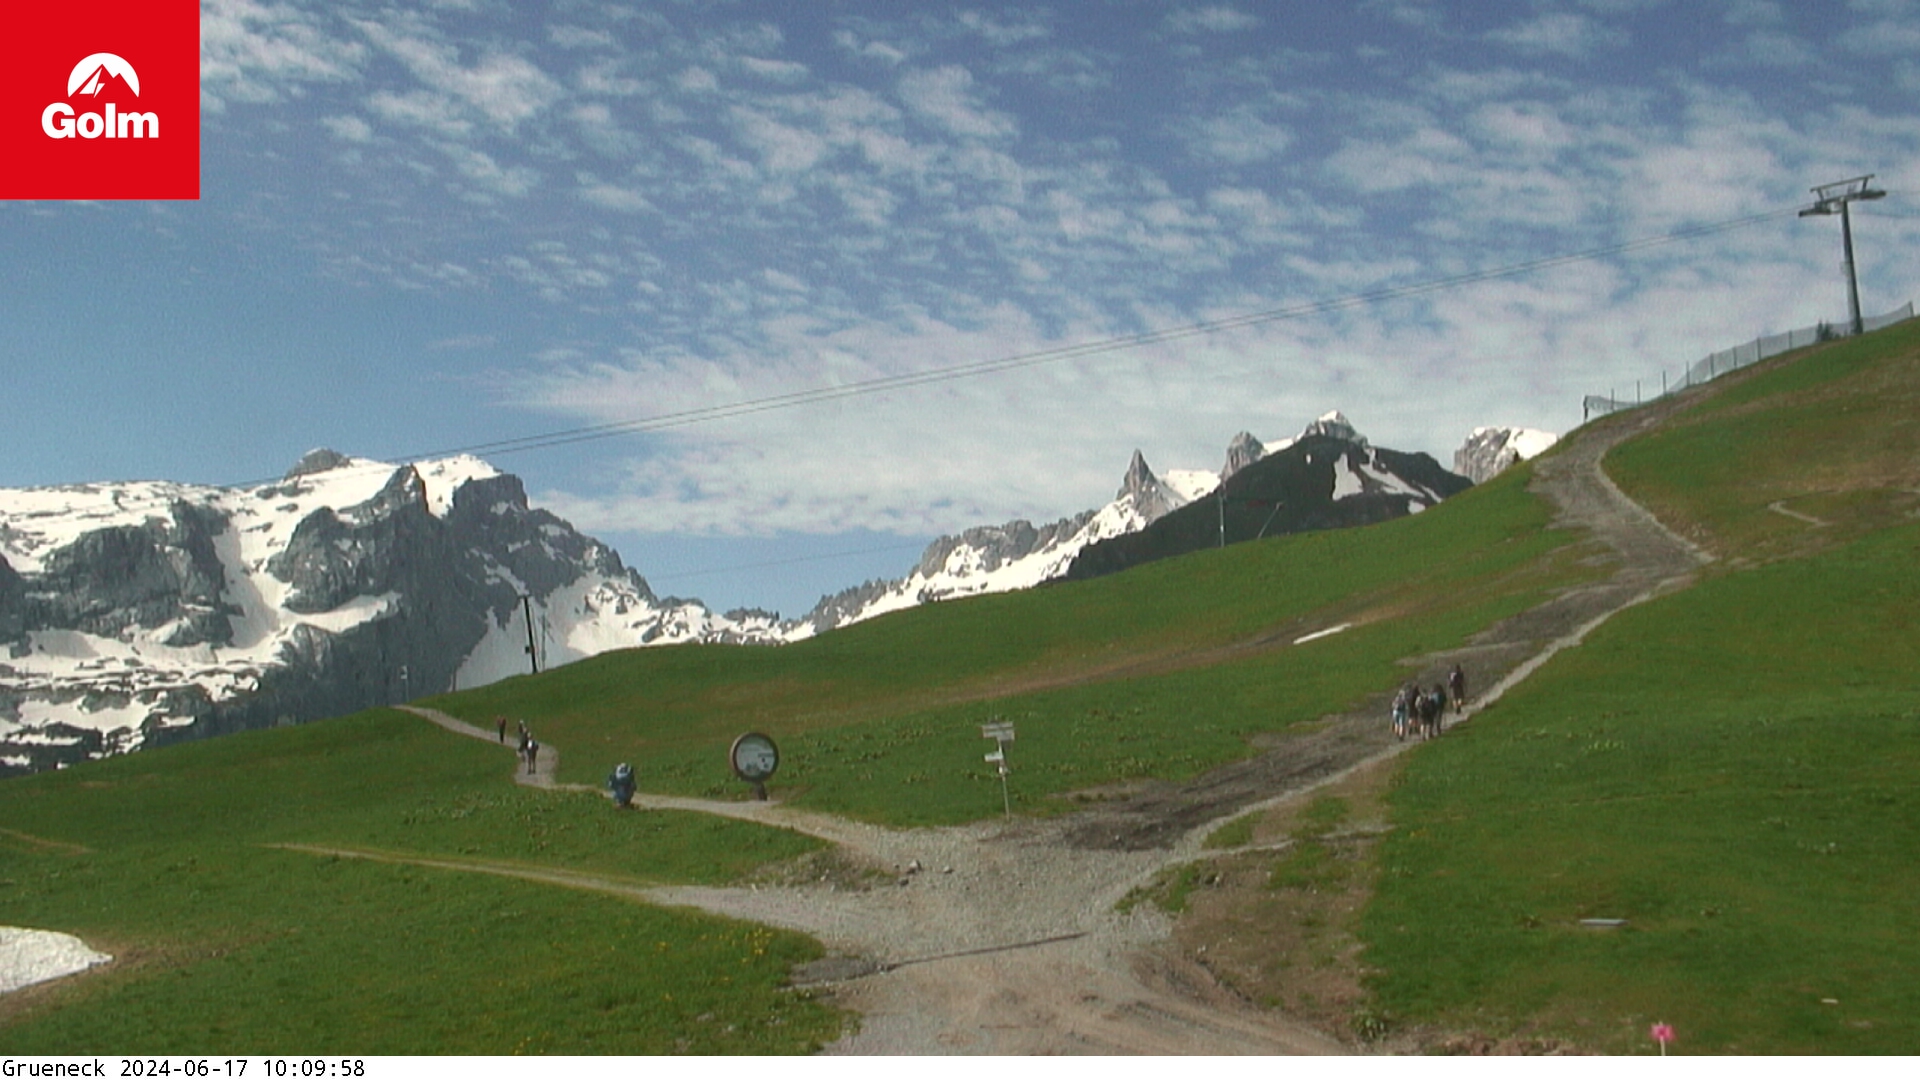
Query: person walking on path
{"points": [[533, 753], [501, 723], [1457, 688], [622, 785]]}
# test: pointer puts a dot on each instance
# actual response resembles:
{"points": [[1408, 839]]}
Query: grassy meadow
{"points": [[177, 860], [227, 943], [1160, 672], [1729, 769]]}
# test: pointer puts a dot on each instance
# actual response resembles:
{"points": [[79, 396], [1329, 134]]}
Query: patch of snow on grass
{"points": [[32, 956], [1328, 632]]}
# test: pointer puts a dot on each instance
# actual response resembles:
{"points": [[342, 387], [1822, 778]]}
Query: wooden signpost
{"points": [[1001, 732]]}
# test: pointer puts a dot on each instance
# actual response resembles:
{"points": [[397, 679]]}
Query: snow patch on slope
{"points": [[35, 956]]}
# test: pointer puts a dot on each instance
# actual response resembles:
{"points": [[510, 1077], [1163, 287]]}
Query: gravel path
{"points": [[1002, 938]]}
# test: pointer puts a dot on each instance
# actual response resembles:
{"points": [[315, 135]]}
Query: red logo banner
{"points": [[100, 100]]}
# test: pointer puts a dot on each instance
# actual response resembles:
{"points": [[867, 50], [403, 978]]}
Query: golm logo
{"points": [[91, 76]]}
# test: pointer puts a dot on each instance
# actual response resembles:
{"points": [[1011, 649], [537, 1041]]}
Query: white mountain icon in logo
{"points": [[94, 71]]}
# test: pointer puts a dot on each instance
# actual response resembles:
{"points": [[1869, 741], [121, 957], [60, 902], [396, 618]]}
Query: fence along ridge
{"points": [[1714, 365]]}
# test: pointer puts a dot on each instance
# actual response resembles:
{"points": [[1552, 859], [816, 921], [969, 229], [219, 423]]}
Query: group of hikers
{"points": [[1418, 712], [529, 746], [620, 784]]}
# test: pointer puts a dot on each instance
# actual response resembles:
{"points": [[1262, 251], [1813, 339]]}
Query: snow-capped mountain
{"points": [[143, 613], [138, 614], [1327, 477], [1488, 451], [1018, 554]]}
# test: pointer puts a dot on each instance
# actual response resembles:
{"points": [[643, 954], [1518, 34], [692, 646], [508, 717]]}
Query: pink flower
{"points": [[1663, 1034]]}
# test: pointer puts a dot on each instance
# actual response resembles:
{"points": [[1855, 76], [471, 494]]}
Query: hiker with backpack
{"points": [[1432, 703], [621, 783]]}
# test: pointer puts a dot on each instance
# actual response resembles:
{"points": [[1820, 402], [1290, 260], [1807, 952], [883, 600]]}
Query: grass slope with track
{"points": [[1730, 769], [226, 942], [1162, 672]]}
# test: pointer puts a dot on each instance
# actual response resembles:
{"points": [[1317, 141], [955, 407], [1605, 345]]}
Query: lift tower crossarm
{"points": [[1834, 198]]}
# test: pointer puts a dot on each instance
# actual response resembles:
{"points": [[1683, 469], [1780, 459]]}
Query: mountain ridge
{"points": [[149, 612]]}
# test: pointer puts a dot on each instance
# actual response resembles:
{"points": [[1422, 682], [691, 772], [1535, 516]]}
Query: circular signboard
{"points": [[754, 757]]}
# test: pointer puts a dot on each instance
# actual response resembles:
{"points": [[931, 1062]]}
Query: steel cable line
{"points": [[881, 384], [795, 560], [704, 414]]}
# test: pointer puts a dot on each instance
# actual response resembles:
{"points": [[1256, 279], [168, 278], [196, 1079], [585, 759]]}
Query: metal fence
{"points": [[1717, 364]]}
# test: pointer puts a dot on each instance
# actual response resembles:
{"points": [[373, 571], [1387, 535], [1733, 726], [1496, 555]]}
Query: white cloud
{"points": [[944, 96], [612, 196], [501, 88], [1210, 20], [881, 51], [774, 214], [697, 80], [1774, 49], [1754, 13], [574, 37], [783, 148], [260, 52], [1240, 138], [423, 109], [1049, 441], [1896, 32], [1003, 33], [1559, 33], [775, 70], [491, 177], [348, 128]]}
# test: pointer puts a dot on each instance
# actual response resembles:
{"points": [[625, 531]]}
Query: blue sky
{"points": [[433, 225]]}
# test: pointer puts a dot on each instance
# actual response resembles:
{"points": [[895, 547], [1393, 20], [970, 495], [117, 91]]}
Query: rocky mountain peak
{"points": [[1335, 425], [1488, 451], [317, 460], [1243, 451], [1140, 481], [166, 612]]}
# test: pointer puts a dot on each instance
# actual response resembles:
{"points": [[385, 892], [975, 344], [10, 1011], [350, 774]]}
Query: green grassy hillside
{"points": [[1722, 768], [1162, 671], [177, 860], [226, 942], [1730, 769]]}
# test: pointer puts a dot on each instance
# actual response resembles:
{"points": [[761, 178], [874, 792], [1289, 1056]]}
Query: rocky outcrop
{"points": [[13, 604], [162, 573], [1243, 451], [1151, 498], [363, 550], [990, 547], [1489, 451]]}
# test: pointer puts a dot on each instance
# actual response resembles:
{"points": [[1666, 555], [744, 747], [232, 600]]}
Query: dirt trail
{"points": [[1003, 938]]}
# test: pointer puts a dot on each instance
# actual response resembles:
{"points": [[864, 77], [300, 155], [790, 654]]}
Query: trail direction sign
{"points": [[1001, 732]]}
